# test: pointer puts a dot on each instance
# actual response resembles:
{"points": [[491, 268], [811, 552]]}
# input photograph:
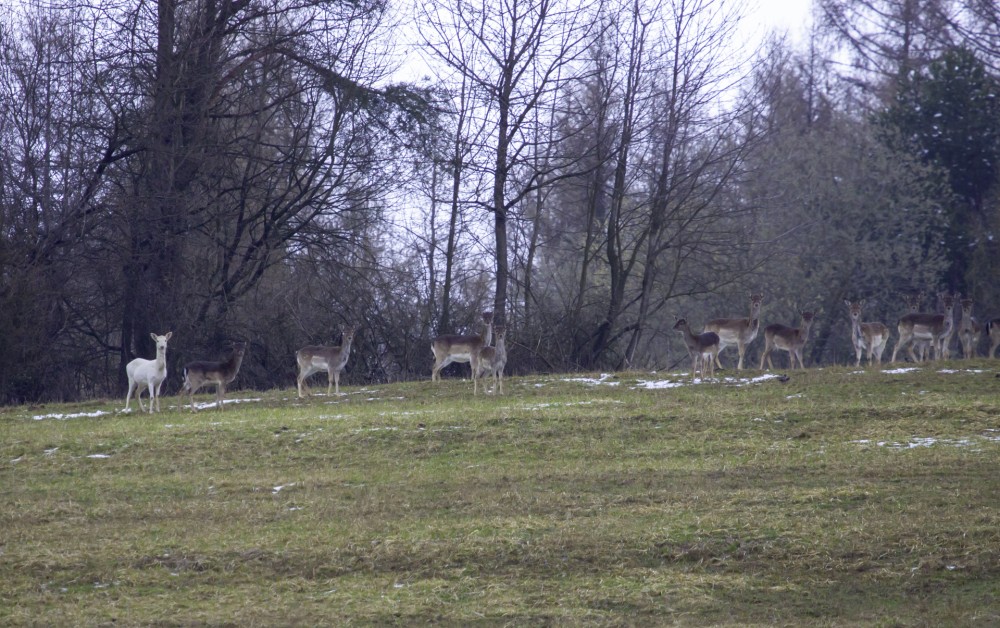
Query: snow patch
{"points": [[212, 404], [930, 441], [593, 382], [63, 417]]}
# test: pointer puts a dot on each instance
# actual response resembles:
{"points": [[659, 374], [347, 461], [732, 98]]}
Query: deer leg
{"points": [[152, 395], [128, 395], [438, 366]]}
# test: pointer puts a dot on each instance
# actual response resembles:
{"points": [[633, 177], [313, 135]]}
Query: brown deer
{"points": [[450, 348], [701, 347], [201, 373], [993, 330], [491, 361], [936, 328], [737, 331], [790, 339], [969, 330], [332, 360], [870, 337]]}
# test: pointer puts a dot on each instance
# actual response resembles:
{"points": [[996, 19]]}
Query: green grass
{"points": [[806, 502]]}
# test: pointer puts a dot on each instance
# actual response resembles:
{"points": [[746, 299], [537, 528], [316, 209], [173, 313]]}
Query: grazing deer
{"points": [[200, 373], [491, 360], [790, 339], [332, 360], [993, 330], [936, 328], [737, 331], [150, 373], [866, 336], [701, 347], [969, 330], [450, 348]]}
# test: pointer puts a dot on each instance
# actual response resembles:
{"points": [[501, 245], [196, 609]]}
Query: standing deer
{"points": [[491, 361], [936, 328], [871, 337], [912, 307], [969, 330], [450, 348], [701, 347], [790, 339], [150, 373], [737, 331], [332, 360], [993, 330], [201, 373]]}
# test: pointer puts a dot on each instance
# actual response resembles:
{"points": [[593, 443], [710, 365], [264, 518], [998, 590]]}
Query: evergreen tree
{"points": [[949, 116]]}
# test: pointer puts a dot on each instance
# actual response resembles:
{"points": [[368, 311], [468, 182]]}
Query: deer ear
{"points": [[169, 334], [153, 336]]}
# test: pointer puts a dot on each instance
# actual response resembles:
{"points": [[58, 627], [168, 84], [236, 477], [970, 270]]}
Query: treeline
{"points": [[250, 170]]}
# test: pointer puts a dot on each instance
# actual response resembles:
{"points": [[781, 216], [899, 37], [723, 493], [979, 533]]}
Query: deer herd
{"points": [[923, 335], [929, 333]]}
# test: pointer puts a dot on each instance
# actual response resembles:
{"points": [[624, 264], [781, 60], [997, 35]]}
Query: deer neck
{"points": [[233, 363], [345, 346]]}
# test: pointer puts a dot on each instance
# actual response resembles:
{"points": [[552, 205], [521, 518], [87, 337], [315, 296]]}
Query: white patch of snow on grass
{"points": [[278, 489], [592, 381], [899, 371], [99, 456], [660, 384], [212, 404], [918, 442], [76, 415]]}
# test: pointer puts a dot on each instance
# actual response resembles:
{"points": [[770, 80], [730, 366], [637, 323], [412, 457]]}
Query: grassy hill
{"points": [[837, 497]]}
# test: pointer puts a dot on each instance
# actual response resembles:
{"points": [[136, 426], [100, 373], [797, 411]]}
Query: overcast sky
{"points": [[785, 15]]}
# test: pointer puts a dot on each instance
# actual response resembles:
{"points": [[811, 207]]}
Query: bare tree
{"points": [[515, 56]]}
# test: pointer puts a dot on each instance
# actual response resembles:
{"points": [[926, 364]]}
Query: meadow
{"points": [[835, 497]]}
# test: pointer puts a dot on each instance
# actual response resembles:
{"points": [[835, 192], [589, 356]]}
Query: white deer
{"points": [[150, 373]]}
